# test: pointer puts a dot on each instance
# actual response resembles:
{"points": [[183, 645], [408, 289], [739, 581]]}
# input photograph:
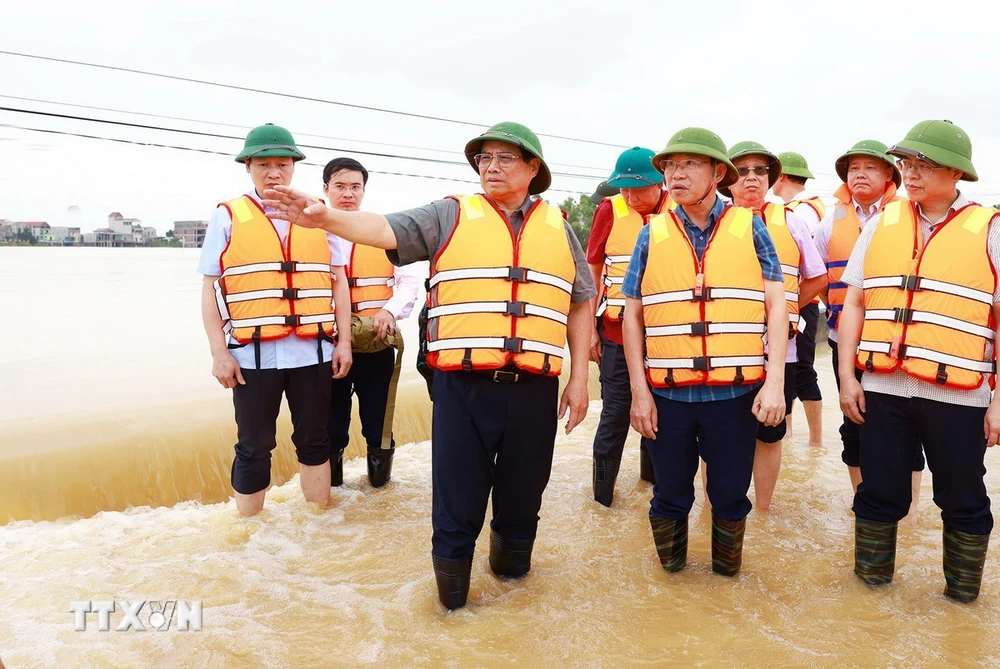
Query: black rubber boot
{"points": [[605, 474], [510, 558], [453, 578], [337, 468], [964, 558], [380, 466], [671, 540], [645, 464], [727, 545], [874, 550]]}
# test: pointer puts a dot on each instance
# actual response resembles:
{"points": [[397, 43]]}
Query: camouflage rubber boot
{"points": [[727, 545], [453, 578], [671, 540], [646, 472], [337, 468], [874, 550], [964, 557], [510, 558], [605, 474]]}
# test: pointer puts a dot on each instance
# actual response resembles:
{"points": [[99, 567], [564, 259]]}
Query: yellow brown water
{"points": [[352, 584]]}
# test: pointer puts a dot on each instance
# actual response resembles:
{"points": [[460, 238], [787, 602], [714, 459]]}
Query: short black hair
{"points": [[796, 180], [338, 164]]}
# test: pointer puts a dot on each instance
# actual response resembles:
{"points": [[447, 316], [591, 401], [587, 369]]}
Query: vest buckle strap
{"points": [[701, 294], [292, 320], [288, 266], [289, 293], [699, 329], [702, 364], [517, 309], [912, 283], [517, 274], [903, 315], [513, 344]]}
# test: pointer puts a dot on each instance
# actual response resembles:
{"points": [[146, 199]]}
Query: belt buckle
{"points": [[505, 376]]}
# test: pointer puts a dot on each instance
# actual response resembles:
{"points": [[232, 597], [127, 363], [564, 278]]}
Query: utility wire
{"points": [[243, 127], [292, 96]]}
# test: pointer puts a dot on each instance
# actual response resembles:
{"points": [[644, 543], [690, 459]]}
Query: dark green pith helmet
{"points": [[940, 142], [873, 149], [269, 140], [521, 137], [699, 142], [741, 149]]}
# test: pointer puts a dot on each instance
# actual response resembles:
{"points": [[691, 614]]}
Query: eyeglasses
{"points": [[759, 170], [355, 189], [685, 166], [921, 168], [504, 159]]}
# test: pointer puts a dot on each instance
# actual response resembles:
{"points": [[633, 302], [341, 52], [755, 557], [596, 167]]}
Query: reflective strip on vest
{"points": [[496, 308], [708, 328], [613, 280], [713, 363], [790, 271], [610, 302], [369, 304], [713, 294], [531, 276], [613, 260], [512, 344], [277, 293], [276, 267], [373, 281], [895, 315], [923, 283], [934, 356]]}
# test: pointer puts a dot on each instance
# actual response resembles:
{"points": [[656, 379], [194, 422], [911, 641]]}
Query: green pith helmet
{"points": [[741, 149], [794, 164], [521, 137], [940, 142], [603, 191], [871, 148], [700, 142], [269, 140], [634, 169]]}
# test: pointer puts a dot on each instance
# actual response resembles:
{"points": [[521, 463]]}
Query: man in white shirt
{"points": [[386, 294]]}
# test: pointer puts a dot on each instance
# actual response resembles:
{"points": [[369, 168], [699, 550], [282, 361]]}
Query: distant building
{"points": [[38, 229], [191, 233], [60, 235]]}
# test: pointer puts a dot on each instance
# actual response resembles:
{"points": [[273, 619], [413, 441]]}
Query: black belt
{"points": [[505, 375]]}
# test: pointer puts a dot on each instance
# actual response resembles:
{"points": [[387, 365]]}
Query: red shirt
{"points": [[600, 230]]}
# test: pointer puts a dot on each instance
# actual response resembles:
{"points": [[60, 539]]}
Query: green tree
{"points": [[580, 214], [170, 233]]}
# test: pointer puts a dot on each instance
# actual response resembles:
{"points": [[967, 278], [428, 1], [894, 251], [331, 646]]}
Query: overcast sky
{"points": [[804, 76]]}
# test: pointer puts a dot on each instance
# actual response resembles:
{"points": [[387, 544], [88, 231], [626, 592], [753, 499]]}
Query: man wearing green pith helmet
{"points": [[268, 309], [920, 318], [509, 284], [789, 187]]}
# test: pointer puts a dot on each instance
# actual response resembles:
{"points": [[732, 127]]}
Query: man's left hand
{"points": [[384, 323]]}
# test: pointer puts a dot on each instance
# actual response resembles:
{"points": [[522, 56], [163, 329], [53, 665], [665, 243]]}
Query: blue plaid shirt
{"points": [[632, 287]]}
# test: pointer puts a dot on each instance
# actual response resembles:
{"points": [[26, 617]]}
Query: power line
{"points": [[293, 96], [229, 155], [213, 135], [243, 127]]}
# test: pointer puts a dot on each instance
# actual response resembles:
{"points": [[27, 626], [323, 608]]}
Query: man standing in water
{"points": [[921, 313], [385, 294], [804, 278], [870, 179], [267, 306], [702, 282], [617, 221], [789, 186], [509, 283]]}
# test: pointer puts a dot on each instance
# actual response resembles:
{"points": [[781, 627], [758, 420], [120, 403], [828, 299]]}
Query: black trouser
{"points": [[616, 394], [724, 434], [952, 436], [849, 429], [369, 379], [307, 391], [806, 381], [772, 435], [489, 436]]}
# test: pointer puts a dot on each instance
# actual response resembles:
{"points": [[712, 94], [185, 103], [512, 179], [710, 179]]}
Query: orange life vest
{"points": [[618, 251], [704, 319], [790, 258], [371, 278], [845, 233], [269, 290], [929, 307], [497, 300], [814, 202]]}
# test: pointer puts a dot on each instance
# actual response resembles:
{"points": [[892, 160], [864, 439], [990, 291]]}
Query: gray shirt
{"points": [[421, 231]]}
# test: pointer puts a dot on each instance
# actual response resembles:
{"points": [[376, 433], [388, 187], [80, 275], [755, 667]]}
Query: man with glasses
{"points": [[789, 186], [384, 294], [920, 319], [870, 179], [617, 222], [804, 277], [509, 283], [702, 282]]}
